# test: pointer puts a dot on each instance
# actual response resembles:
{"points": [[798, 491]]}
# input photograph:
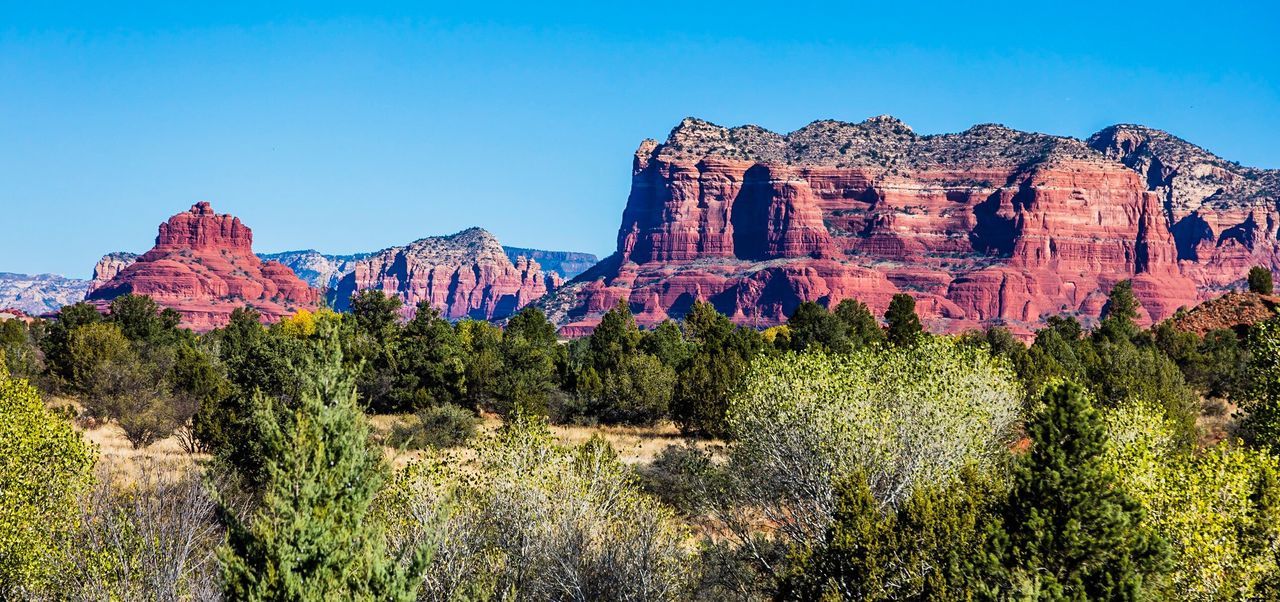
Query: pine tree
{"points": [[903, 323], [1260, 280], [863, 329], [1119, 313], [1070, 532], [309, 539]]}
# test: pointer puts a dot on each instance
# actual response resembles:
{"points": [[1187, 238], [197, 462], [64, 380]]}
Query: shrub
{"points": [[1217, 508], [903, 418], [1260, 280], [436, 427], [544, 523], [44, 466], [147, 535], [308, 539], [1069, 532]]}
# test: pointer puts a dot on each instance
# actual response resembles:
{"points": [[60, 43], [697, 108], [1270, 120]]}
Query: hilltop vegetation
{"points": [[827, 458]]}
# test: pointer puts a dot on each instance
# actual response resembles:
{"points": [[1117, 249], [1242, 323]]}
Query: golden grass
{"points": [[635, 445]]}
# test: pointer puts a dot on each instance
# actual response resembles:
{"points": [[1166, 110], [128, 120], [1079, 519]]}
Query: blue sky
{"points": [[348, 129]]}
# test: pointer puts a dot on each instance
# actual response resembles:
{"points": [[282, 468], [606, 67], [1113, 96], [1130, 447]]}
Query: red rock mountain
{"points": [[203, 267], [465, 275], [990, 225]]}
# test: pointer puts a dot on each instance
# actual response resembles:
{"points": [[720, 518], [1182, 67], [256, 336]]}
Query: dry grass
{"points": [[635, 445]]}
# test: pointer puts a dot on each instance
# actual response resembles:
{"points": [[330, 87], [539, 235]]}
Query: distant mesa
{"points": [[987, 226], [464, 275], [203, 267], [39, 294]]}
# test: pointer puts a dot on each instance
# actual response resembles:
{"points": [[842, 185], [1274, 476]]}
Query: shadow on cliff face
{"points": [[1188, 233], [750, 214], [993, 233]]}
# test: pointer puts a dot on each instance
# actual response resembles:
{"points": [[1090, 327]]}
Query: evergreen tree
{"points": [[1070, 532], [309, 539], [863, 329], [1119, 313], [614, 339], [721, 357], [1260, 280], [811, 326], [432, 362], [903, 323]]}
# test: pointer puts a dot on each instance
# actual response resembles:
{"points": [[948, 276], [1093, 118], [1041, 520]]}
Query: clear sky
{"points": [[349, 130]]}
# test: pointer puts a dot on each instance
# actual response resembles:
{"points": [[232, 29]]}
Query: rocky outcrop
{"points": [[567, 264], [40, 293], [203, 267], [315, 268], [1232, 311], [990, 225], [465, 275], [110, 265]]}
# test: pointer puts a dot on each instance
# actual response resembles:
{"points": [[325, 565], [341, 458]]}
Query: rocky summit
{"points": [[203, 267], [987, 226], [464, 275]]}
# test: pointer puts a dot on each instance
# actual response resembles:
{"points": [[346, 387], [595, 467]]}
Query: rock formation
{"points": [[110, 265], [41, 293], [466, 275], [568, 264], [990, 225], [203, 267], [315, 268]]}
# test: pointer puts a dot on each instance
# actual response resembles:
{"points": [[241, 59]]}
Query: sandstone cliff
{"points": [[203, 267], [990, 225], [465, 275]]}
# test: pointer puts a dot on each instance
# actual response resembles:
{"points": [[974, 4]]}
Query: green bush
{"points": [[1260, 280], [436, 427]]}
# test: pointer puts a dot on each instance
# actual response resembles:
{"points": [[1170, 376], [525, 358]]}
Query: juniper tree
{"points": [[309, 538], [1069, 531], [903, 323]]}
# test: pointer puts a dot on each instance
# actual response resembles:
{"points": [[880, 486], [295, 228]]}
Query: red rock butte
{"points": [[203, 267], [987, 226]]}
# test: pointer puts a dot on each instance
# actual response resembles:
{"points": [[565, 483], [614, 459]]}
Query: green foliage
{"points": [[18, 343], [903, 325], [1262, 424], [44, 466], [921, 550], [482, 344], [372, 342], [721, 357], [309, 539], [439, 427], [811, 326], [1260, 280], [1217, 508], [667, 343], [55, 345], [141, 320], [1121, 372], [1069, 531], [432, 362], [903, 418], [528, 372], [863, 329], [615, 380], [544, 523], [1119, 314]]}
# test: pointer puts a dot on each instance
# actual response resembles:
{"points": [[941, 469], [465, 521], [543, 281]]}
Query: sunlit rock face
{"points": [[987, 226]]}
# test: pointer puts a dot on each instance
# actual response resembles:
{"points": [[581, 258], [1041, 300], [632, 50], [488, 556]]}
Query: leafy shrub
{"points": [[439, 427], [1217, 508], [544, 523], [1260, 280], [44, 466], [902, 418]]}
